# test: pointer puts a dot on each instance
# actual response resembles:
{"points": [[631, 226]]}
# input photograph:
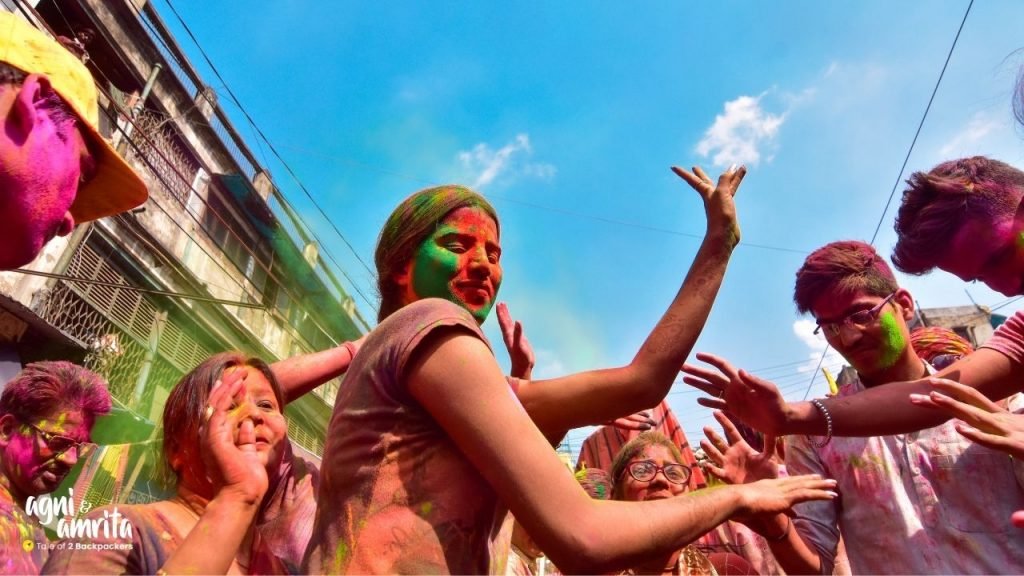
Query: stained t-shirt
{"points": [[282, 532], [23, 543], [396, 494]]}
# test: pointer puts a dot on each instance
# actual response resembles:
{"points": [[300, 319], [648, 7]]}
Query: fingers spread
{"points": [[966, 394], [730, 429]]}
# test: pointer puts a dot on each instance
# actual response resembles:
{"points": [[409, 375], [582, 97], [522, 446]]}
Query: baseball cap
{"points": [[115, 187]]}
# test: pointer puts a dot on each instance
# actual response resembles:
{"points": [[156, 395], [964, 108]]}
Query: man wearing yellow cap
{"points": [[55, 168]]}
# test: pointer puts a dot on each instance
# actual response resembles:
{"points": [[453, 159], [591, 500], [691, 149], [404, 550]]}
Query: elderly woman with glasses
{"points": [[650, 467]]}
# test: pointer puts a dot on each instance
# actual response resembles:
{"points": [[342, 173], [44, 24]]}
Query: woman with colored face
{"points": [[244, 502], [650, 467], [430, 445]]}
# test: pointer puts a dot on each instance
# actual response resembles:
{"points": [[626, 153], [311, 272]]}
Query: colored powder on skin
{"points": [[893, 342], [1020, 241]]}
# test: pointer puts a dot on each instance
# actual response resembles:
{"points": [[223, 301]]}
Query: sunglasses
{"points": [[646, 470], [60, 444]]}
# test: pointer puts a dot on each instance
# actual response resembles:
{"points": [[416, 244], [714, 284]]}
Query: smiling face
{"points": [[990, 251], [459, 261], [873, 346], [260, 405], [43, 159], [30, 466], [657, 488]]}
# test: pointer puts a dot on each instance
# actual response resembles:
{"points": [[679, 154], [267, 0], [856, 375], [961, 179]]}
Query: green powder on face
{"points": [[893, 342]]}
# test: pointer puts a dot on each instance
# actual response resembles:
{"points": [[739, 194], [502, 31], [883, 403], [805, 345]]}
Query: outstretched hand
{"points": [[228, 442], [519, 349], [719, 206], [735, 461], [766, 497], [981, 420], [756, 402]]}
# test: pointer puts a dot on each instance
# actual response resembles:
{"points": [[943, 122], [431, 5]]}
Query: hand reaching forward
{"points": [[228, 442], [756, 402], [735, 461], [519, 349], [982, 420], [719, 207], [766, 497]]}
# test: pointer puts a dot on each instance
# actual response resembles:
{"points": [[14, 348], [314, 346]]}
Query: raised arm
{"points": [[601, 395], [479, 412], [736, 462], [301, 374], [878, 411]]}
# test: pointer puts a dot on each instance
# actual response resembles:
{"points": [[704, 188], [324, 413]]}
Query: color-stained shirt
{"points": [[282, 532], [23, 542], [396, 494], [929, 502]]}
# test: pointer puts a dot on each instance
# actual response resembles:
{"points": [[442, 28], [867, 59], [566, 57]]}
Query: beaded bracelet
{"points": [[828, 421]]}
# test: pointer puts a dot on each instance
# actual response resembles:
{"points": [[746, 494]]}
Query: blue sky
{"points": [[567, 115]]}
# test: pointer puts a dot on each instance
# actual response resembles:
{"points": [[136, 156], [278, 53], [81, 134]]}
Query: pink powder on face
{"points": [[39, 180]]}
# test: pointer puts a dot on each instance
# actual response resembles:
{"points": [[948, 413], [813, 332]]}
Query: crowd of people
{"points": [[437, 462]]}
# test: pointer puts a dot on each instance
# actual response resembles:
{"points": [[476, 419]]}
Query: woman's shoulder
{"points": [[429, 308]]}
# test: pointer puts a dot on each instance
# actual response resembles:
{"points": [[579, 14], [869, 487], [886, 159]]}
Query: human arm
{"points": [[736, 462], [301, 374], [602, 395], [237, 476], [877, 411], [479, 412]]}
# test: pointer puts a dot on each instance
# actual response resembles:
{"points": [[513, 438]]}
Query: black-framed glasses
{"points": [[859, 319], [60, 444], [646, 470]]}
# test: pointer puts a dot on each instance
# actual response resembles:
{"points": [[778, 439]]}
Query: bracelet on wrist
{"points": [[828, 422]]}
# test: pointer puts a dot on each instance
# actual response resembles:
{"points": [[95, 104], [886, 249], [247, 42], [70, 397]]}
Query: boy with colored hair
{"points": [[935, 489]]}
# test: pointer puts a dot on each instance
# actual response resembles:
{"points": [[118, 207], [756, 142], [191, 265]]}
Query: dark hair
{"points": [[42, 388], [844, 267], [634, 447], [412, 222], [938, 203], [185, 407], [60, 113]]}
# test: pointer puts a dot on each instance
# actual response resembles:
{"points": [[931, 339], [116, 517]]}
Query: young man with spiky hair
{"points": [[46, 416], [930, 502]]}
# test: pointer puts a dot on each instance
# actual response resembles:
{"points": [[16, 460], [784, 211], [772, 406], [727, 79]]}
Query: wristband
{"points": [[828, 422]]}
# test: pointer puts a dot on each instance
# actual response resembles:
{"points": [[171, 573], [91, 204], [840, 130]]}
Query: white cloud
{"points": [[548, 365], [741, 133], [486, 164], [969, 136], [804, 329]]}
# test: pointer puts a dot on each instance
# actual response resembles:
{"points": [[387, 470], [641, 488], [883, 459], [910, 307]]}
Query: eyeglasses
{"points": [[60, 444], [859, 319], [646, 470]]}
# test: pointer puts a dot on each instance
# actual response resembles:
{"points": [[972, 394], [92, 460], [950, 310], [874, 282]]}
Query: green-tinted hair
{"points": [[412, 222]]}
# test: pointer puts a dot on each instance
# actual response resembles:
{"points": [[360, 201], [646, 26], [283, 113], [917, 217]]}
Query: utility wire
{"points": [[270, 145], [910, 150]]}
